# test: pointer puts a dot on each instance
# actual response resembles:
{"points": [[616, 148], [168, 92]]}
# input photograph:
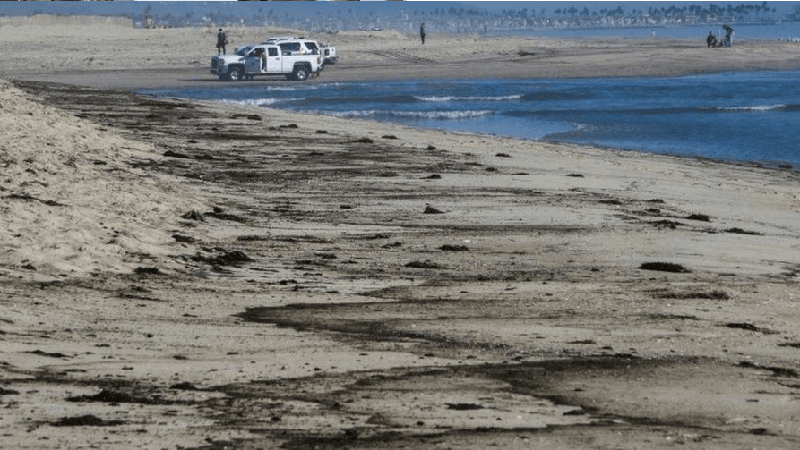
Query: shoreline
{"points": [[188, 274], [773, 165]]}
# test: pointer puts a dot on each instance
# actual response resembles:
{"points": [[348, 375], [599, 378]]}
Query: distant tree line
{"points": [[739, 12], [466, 19]]}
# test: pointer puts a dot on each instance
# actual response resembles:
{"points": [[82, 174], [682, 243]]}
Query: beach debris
{"points": [[49, 354], [427, 264], [749, 327], [219, 213], [87, 420], [254, 117], [26, 196], [112, 396], [667, 224], [321, 132], [464, 406], [776, 371], [185, 386], [699, 217], [491, 169], [790, 344], [389, 136], [376, 236], [147, 271], [737, 230], [502, 155], [453, 248], [430, 147], [435, 176], [4, 391], [577, 175], [253, 237], [352, 433], [392, 245], [364, 140], [232, 258], [290, 125], [182, 238], [714, 295], [172, 154], [431, 210], [664, 267], [194, 215]]}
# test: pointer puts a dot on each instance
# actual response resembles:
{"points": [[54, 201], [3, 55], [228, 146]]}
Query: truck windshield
{"points": [[242, 51]]}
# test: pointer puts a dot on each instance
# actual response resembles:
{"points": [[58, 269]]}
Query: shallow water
{"points": [[748, 117]]}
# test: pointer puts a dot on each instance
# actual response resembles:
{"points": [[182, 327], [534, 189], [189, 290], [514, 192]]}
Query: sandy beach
{"points": [[182, 274]]}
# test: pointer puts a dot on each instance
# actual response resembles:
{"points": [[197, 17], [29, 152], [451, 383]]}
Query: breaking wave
{"points": [[758, 108], [260, 101], [470, 99], [427, 115]]}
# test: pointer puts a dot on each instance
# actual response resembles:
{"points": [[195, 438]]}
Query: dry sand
{"points": [[316, 299]]}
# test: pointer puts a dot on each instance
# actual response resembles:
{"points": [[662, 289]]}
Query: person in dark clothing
{"points": [[222, 41], [422, 32], [728, 36], [711, 40]]}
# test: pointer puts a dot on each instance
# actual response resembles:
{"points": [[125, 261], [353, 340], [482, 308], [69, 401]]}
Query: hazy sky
{"points": [[783, 6], [180, 8]]}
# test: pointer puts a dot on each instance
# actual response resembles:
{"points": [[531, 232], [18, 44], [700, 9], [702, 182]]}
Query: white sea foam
{"points": [[759, 108], [259, 101], [469, 99], [444, 115]]}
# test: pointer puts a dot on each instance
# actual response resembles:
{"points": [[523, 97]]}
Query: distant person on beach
{"points": [[728, 36], [422, 32], [711, 40], [222, 41]]}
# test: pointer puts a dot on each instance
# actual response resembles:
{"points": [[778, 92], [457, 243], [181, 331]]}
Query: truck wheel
{"points": [[300, 73], [235, 74]]}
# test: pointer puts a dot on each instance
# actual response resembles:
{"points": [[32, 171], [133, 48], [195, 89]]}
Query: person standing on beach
{"points": [[222, 41], [422, 32]]}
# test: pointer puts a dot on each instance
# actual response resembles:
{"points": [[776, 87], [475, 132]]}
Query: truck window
{"points": [[273, 51], [290, 47]]}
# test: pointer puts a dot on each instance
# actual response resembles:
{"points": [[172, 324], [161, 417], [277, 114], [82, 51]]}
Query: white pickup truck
{"points": [[287, 58], [305, 45]]}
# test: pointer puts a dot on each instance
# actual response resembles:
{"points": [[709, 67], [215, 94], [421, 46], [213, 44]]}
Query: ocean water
{"points": [[742, 32], [742, 117]]}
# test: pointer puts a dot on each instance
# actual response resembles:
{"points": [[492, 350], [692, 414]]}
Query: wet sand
{"points": [[184, 274]]}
